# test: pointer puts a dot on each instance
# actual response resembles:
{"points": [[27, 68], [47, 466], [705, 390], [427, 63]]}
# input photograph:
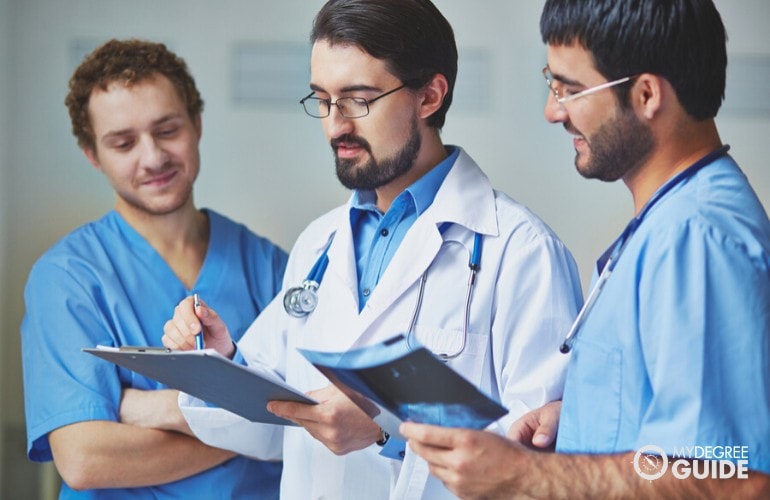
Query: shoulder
{"points": [[716, 210], [497, 211], [518, 221], [81, 258], [83, 243]]}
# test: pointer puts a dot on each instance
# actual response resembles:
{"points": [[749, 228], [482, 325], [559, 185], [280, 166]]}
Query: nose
{"points": [[337, 125], [152, 153], [554, 112]]}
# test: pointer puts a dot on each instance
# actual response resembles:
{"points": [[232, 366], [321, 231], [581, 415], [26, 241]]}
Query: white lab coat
{"points": [[526, 295]]}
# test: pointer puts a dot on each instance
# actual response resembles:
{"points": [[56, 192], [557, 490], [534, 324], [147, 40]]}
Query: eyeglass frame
{"points": [[357, 100], [582, 93]]}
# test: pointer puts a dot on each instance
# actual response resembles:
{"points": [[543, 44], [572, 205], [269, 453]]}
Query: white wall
{"points": [[255, 160]]}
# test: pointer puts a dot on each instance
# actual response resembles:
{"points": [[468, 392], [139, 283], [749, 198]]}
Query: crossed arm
{"points": [[149, 446]]}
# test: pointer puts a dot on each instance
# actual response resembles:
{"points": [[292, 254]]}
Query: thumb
{"points": [[209, 318], [214, 327], [545, 434]]}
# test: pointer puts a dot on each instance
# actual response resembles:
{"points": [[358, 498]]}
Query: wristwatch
{"points": [[384, 436]]}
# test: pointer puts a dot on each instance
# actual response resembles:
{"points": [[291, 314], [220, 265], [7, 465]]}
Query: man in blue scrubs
{"points": [[136, 113], [667, 392]]}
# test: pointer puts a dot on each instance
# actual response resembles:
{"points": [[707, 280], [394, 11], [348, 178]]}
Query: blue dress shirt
{"points": [[377, 236]]}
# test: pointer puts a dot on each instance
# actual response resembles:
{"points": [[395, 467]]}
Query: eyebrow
{"points": [[563, 79], [349, 88]]}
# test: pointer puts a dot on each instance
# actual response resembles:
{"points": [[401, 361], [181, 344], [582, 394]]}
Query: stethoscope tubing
{"points": [[305, 294]]}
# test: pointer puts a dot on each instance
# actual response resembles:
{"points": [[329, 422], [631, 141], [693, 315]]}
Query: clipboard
{"points": [[209, 376]]}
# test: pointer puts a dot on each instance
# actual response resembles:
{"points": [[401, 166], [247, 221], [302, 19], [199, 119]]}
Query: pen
{"points": [[199, 337]]}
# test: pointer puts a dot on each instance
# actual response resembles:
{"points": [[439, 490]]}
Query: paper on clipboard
{"points": [[207, 375]]}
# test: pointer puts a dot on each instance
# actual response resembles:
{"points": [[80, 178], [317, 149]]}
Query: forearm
{"points": [[101, 454], [156, 409], [614, 476]]}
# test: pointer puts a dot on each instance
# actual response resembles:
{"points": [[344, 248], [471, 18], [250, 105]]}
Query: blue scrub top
{"points": [[675, 352], [104, 284]]}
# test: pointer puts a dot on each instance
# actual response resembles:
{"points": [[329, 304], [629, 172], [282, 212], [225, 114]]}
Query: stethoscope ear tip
{"points": [[564, 348]]}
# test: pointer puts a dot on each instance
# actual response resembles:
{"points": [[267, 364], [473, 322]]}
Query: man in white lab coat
{"points": [[382, 76]]}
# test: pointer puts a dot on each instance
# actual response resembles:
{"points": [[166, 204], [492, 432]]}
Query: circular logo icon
{"points": [[650, 462]]}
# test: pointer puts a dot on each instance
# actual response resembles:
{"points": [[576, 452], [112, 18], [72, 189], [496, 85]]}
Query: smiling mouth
{"points": [[160, 180]]}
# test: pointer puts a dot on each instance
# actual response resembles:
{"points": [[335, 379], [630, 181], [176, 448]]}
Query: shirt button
{"points": [[367, 292], [402, 454], [384, 232]]}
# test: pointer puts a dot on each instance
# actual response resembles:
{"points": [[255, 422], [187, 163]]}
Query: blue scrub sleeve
{"points": [[62, 384], [704, 330]]}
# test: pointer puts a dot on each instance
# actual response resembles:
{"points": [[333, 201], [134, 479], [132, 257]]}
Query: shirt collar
{"points": [[422, 192]]}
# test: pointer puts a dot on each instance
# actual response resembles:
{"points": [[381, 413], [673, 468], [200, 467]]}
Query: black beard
{"points": [[373, 173], [618, 147]]}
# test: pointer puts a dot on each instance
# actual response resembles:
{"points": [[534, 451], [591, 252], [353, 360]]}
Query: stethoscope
{"points": [[625, 237], [300, 301]]}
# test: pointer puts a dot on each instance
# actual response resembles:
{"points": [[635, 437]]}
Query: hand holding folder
{"points": [[394, 383]]}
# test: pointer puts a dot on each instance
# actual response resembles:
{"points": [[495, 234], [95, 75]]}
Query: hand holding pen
{"points": [[193, 319]]}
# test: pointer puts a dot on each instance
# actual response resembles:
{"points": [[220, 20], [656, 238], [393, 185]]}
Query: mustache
{"points": [[571, 129], [350, 139]]}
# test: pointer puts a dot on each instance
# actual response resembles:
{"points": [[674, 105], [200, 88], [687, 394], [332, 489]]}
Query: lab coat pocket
{"points": [[470, 362], [594, 403]]}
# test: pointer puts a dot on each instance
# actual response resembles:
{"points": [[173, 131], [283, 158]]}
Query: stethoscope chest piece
{"points": [[299, 301]]}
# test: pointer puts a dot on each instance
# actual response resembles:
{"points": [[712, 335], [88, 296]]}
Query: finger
{"points": [[545, 434], [523, 430], [296, 412], [326, 393], [211, 322], [186, 331], [441, 437], [436, 457], [172, 337], [186, 320]]}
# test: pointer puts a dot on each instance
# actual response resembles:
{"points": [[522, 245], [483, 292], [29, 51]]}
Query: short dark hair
{"points": [[411, 36], [683, 41], [129, 62]]}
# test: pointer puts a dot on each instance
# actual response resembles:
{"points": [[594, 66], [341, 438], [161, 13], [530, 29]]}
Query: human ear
{"points": [[90, 155], [433, 94], [647, 94]]}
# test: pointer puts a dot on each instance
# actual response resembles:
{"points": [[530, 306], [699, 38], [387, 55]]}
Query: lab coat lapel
{"points": [[420, 246], [466, 198], [342, 258]]}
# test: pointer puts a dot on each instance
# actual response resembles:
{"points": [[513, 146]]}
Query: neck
{"points": [[674, 152], [431, 154], [180, 237]]}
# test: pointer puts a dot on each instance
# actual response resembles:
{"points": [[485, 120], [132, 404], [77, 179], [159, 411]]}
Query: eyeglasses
{"points": [[350, 107], [549, 79]]}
